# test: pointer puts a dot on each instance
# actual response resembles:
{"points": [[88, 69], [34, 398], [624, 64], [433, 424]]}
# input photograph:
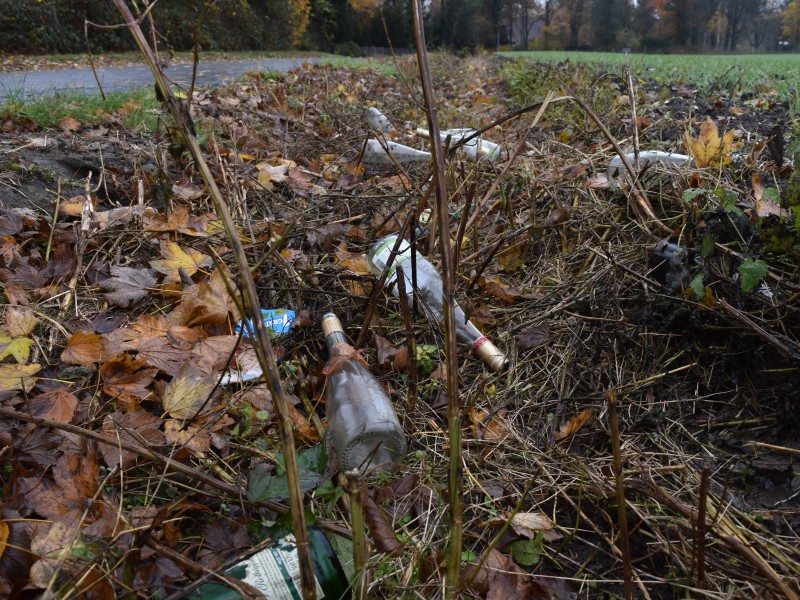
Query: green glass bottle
{"points": [[275, 571]]}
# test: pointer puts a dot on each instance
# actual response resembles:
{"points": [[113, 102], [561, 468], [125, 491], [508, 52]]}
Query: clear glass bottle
{"points": [[429, 291], [378, 121], [275, 571], [364, 430], [475, 149], [375, 153]]}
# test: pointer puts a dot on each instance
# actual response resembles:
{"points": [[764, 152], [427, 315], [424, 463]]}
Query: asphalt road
{"points": [[209, 74]]}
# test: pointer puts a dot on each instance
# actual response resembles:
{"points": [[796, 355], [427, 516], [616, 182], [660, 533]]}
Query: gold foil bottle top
{"points": [[331, 324], [491, 355]]}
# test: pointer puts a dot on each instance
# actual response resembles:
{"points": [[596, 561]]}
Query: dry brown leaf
{"points": [[486, 427], [495, 286], [765, 207], [187, 392], [132, 428], [191, 437], [70, 125], [708, 149], [185, 338], [573, 426], [127, 285], [56, 405], [20, 321], [126, 378], [18, 377], [355, 263], [84, 348], [533, 337], [214, 353], [380, 529], [305, 431], [529, 524], [176, 258], [159, 353], [560, 214]]}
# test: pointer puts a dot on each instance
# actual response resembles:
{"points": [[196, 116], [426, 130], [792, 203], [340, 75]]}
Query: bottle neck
{"points": [[333, 330]]}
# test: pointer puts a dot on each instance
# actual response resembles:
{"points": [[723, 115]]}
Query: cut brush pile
{"points": [[646, 434]]}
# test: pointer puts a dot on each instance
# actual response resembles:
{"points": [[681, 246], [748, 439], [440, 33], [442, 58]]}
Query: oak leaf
{"points": [[708, 149]]}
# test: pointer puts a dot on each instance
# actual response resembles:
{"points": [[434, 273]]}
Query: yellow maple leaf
{"points": [[176, 258], [17, 377], [708, 149], [19, 348]]}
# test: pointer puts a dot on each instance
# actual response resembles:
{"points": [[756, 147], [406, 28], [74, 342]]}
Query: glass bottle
{"points": [[475, 149], [375, 153], [378, 121], [275, 571], [429, 291], [363, 427]]}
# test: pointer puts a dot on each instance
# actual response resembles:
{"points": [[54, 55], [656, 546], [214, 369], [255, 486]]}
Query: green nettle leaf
{"points": [[707, 245], [728, 199], [528, 552], [692, 193], [697, 286], [468, 555], [772, 194], [263, 485], [752, 272]]}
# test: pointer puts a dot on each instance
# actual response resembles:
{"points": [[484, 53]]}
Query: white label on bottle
{"points": [[276, 572], [385, 251]]}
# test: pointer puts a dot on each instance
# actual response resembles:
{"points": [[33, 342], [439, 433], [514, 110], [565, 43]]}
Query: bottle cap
{"points": [[491, 355], [331, 324]]}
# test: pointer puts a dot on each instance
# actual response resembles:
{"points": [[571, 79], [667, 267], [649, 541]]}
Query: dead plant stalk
{"points": [[263, 348], [455, 481]]}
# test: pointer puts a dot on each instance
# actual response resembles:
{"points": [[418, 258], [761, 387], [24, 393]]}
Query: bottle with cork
{"points": [[363, 428], [430, 295]]}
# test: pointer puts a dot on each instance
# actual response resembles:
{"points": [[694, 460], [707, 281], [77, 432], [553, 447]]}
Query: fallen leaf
{"points": [[84, 348], [18, 377], [533, 337], [19, 348], [573, 426], [529, 524], [132, 428], [176, 258], [355, 263], [559, 215], [381, 532], [303, 428], [69, 125], [495, 286], [187, 392], [16, 557], [75, 481], [191, 437], [20, 321], [56, 405], [487, 427], [708, 149], [390, 357], [159, 353], [128, 285], [126, 378]]}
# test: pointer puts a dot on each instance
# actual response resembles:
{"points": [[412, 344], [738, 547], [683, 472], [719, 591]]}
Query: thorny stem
{"points": [[263, 348], [622, 514], [355, 488], [455, 480]]}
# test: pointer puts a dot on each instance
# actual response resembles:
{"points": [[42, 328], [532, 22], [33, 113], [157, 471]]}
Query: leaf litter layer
{"points": [[127, 468]]}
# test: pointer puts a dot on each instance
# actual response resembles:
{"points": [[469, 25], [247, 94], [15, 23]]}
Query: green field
{"points": [[709, 72]]}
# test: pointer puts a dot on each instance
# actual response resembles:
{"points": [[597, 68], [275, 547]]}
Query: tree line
{"points": [[349, 26]]}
